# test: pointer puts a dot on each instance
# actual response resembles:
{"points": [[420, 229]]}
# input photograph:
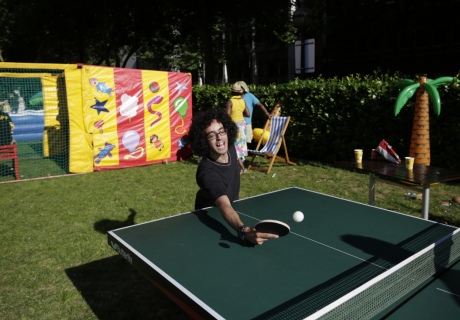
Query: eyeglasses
{"points": [[213, 135]]}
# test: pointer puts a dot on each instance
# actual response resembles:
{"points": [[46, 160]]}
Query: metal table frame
{"points": [[425, 193]]}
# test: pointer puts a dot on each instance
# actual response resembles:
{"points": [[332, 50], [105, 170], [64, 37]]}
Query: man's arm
{"points": [[261, 106], [233, 219], [228, 213]]}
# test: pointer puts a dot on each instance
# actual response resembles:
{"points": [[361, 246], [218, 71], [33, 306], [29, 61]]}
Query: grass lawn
{"points": [[56, 263]]}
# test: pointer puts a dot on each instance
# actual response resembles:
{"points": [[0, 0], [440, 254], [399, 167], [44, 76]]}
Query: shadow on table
{"points": [[225, 233], [113, 290]]}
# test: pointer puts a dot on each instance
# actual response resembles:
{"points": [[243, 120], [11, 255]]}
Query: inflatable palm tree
{"points": [[425, 90]]}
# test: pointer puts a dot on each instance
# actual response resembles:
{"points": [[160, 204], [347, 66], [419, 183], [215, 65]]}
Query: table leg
{"points": [[371, 188], [426, 201]]}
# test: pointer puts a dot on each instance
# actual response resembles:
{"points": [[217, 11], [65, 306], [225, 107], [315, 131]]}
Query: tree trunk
{"points": [[420, 140]]}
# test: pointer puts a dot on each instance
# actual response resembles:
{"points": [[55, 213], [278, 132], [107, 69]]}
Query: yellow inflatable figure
{"points": [[257, 132]]}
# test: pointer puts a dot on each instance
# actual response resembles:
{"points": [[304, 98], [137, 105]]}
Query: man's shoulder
{"points": [[251, 97]]}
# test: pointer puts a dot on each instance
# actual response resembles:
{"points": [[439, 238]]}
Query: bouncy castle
{"points": [[101, 117]]}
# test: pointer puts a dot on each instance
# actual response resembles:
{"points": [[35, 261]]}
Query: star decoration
{"points": [[181, 86], [100, 106]]}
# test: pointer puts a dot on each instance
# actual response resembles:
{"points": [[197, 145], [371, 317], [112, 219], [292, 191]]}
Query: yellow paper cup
{"points": [[410, 174], [359, 155], [409, 163]]}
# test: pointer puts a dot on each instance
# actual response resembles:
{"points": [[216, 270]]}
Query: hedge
{"points": [[332, 116]]}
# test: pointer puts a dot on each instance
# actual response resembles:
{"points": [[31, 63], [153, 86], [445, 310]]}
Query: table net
{"points": [[377, 295], [372, 289]]}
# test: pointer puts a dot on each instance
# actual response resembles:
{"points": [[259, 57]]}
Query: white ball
{"points": [[297, 216]]}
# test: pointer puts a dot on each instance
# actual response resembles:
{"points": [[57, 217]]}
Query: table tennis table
{"points": [[344, 260]]}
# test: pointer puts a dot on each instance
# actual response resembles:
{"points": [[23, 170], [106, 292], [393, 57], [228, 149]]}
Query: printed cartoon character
{"points": [[101, 86], [104, 152], [155, 141]]}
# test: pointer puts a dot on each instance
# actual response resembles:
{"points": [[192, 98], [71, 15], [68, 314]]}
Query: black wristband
{"points": [[240, 232]]}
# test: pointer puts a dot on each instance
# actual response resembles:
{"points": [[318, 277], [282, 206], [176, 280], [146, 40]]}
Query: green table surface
{"points": [[339, 246]]}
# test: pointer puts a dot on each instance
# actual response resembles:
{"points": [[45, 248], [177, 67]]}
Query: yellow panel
{"points": [[19, 65], [102, 126], [156, 114], [24, 75], [90, 94], [80, 141], [50, 100]]}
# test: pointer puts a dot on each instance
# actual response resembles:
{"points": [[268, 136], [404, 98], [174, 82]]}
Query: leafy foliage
{"points": [[332, 116]]}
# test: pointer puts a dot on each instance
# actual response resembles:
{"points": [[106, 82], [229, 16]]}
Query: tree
{"points": [[425, 90], [171, 35]]}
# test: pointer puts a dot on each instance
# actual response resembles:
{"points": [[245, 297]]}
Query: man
{"points": [[251, 101], [212, 135], [6, 127]]}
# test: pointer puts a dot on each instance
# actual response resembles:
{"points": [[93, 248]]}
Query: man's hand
{"points": [[255, 237], [233, 220]]}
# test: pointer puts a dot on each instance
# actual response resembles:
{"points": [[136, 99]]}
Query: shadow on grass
{"points": [[113, 290], [451, 221], [105, 225]]}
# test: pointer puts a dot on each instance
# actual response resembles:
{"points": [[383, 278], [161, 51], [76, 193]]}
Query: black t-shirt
{"points": [[5, 128], [217, 179]]}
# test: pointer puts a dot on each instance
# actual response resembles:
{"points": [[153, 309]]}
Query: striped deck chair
{"points": [[278, 126]]}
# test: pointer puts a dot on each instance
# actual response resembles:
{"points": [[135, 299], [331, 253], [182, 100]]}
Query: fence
{"points": [[41, 134]]}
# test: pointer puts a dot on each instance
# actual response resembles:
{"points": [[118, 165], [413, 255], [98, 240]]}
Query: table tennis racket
{"points": [[273, 226]]}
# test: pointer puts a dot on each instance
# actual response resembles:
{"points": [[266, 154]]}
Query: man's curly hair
{"points": [[203, 120]]}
